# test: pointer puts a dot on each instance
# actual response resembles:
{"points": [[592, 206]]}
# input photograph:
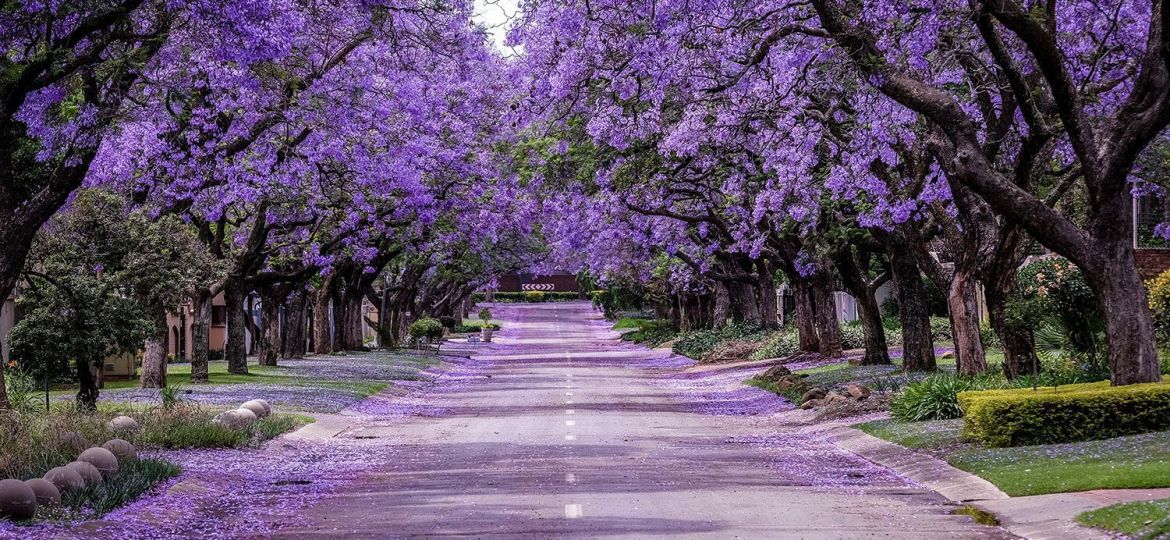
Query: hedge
{"points": [[1075, 412], [528, 296]]}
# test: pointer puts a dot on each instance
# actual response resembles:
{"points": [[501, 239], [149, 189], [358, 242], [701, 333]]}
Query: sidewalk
{"points": [[1038, 517]]}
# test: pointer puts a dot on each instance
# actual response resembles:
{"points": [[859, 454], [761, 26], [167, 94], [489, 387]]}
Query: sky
{"points": [[496, 16]]}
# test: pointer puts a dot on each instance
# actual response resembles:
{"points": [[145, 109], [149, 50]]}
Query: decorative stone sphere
{"points": [[65, 479], [123, 424], [102, 460], [88, 472], [267, 407], [227, 418], [47, 493], [256, 407], [74, 440], [18, 502], [121, 449], [246, 417]]}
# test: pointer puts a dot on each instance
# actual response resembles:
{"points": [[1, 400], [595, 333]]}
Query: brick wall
{"points": [[1152, 262]]}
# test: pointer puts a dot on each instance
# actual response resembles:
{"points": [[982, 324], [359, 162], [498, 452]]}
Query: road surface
{"points": [[569, 433]]}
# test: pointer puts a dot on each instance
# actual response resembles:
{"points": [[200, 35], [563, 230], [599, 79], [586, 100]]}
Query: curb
{"points": [[1040, 517], [956, 485]]}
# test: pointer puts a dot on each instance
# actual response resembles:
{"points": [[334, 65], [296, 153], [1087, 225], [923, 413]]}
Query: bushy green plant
{"points": [[1063, 414], [779, 345], [699, 343], [426, 328], [133, 478], [485, 315], [652, 333], [24, 394], [940, 329], [534, 296], [932, 398], [1159, 298]]}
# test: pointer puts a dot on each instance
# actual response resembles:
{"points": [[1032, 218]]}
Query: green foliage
{"points": [[1144, 520], [651, 332], [514, 297], [932, 398], [134, 477], [940, 329], [1069, 413], [426, 328], [853, 336], [629, 322], [1053, 291], [449, 322], [100, 278], [485, 315], [699, 343], [779, 345], [618, 299], [24, 394], [981, 517], [1159, 294]]}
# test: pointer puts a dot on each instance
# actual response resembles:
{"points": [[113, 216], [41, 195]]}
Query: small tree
{"points": [[485, 315]]}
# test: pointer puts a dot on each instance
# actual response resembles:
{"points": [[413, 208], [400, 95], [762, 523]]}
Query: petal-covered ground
{"points": [[555, 429]]}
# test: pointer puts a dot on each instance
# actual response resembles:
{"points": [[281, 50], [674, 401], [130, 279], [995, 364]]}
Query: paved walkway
{"points": [[573, 434]]}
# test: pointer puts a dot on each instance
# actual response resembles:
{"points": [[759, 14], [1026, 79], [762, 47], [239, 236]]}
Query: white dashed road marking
{"points": [[572, 511]]}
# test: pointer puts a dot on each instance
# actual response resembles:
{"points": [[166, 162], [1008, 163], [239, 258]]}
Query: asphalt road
{"points": [[572, 436]]}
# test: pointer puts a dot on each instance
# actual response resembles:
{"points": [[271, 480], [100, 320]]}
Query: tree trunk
{"points": [[917, 345], [806, 321], [4, 404], [1129, 327], [322, 344], [294, 339], [268, 342], [236, 351], [200, 335], [877, 350], [1019, 345], [767, 292], [828, 329], [963, 305], [154, 356], [87, 393], [722, 305]]}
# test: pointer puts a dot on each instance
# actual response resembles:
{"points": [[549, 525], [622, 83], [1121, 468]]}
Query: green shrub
{"points": [[652, 333], [940, 329], [1159, 295], [513, 297], [534, 296], [448, 321], [1061, 414], [853, 336], [932, 398], [699, 343], [426, 328], [779, 345]]}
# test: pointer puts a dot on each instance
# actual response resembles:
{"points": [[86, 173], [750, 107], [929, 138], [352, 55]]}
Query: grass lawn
{"points": [[630, 322], [1148, 519], [1137, 461]]}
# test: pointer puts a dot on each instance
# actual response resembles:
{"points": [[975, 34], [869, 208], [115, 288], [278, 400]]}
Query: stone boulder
{"points": [[789, 382], [65, 479], [123, 424], [47, 493], [18, 501], [88, 472], [256, 407], [775, 373], [858, 391], [810, 404], [102, 459], [815, 392], [121, 449]]}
